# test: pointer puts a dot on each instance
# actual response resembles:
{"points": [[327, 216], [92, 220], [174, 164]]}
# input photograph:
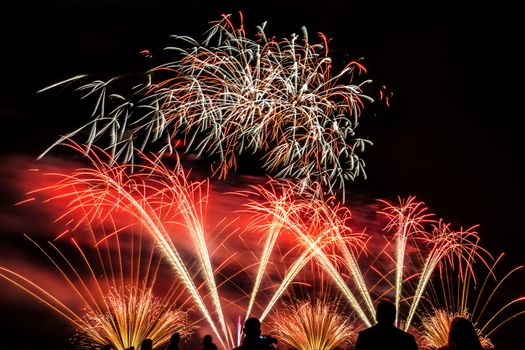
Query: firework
{"points": [[157, 198], [406, 220], [304, 325], [316, 223], [167, 205], [435, 329], [469, 294], [428, 244], [120, 308], [298, 223], [231, 95], [131, 317]]}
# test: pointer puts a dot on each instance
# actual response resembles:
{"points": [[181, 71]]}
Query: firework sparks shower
{"points": [[232, 95]]}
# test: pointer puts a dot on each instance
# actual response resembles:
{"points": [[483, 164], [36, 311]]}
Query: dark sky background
{"points": [[451, 136]]}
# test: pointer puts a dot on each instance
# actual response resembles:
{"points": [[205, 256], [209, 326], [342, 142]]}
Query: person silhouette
{"points": [[174, 342], [462, 336], [207, 343], [147, 344], [252, 336], [384, 335]]}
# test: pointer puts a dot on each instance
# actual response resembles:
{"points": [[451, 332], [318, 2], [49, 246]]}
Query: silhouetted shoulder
{"points": [[380, 337]]}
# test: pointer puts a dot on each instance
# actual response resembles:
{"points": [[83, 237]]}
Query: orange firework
{"points": [[157, 198], [315, 223], [167, 204], [306, 325], [298, 225], [118, 299], [468, 293]]}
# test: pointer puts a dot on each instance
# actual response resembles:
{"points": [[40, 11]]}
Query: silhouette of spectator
{"points": [[252, 336], [174, 342], [384, 335], [207, 343], [462, 336], [147, 344]]}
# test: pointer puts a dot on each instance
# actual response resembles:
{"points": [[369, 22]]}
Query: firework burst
{"points": [[232, 95], [116, 293], [435, 328], [130, 317], [304, 325], [468, 293]]}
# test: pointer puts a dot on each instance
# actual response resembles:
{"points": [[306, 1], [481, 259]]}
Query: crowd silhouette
{"points": [[384, 335]]}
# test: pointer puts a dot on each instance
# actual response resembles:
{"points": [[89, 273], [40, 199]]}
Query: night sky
{"points": [[451, 135]]}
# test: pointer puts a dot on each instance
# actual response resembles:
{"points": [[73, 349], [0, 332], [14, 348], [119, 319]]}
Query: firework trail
{"points": [[163, 201], [444, 243], [118, 303], [467, 293], [304, 325], [315, 223], [159, 198], [405, 219], [231, 95], [155, 197]]}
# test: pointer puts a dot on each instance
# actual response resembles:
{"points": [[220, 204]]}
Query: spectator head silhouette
{"points": [[385, 312], [147, 344], [207, 343], [207, 340], [252, 327], [462, 335], [175, 338]]}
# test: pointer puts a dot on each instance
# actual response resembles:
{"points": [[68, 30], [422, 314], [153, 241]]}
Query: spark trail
{"points": [[406, 219]]}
